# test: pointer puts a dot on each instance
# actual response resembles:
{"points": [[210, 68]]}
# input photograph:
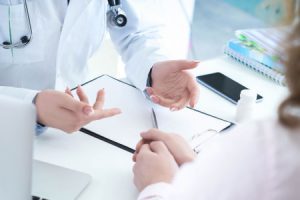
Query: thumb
{"points": [[159, 147], [179, 65], [155, 135]]}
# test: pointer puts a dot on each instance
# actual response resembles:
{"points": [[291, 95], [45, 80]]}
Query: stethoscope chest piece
{"points": [[116, 16]]}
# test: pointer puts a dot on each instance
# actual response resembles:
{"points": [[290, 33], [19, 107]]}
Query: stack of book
{"points": [[260, 50]]}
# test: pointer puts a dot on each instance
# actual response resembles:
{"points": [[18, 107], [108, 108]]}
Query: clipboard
{"points": [[123, 131]]}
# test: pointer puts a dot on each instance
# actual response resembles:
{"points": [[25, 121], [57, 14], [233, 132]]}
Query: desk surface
{"points": [[111, 168], [212, 103]]}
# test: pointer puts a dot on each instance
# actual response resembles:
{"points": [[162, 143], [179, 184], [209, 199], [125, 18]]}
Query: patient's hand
{"points": [[177, 145], [154, 164]]}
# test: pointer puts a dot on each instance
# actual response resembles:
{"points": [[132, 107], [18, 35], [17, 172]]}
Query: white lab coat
{"points": [[65, 37], [255, 161]]}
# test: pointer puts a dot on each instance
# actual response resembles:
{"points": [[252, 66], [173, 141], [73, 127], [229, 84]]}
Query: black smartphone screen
{"points": [[224, 86]]}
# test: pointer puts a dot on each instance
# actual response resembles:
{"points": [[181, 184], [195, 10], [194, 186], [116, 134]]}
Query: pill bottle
{"points": [[245, 106]]}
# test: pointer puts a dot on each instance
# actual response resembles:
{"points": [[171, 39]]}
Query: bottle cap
{"points": [[248, 96]]}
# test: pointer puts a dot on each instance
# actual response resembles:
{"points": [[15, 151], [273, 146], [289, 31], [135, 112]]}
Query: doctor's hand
{"points": [[177, 145], [154, 164], [172, 85], [60, 110]]}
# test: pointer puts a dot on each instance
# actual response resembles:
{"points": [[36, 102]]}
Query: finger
{"points": [[180, 104], [88, 110], [194, 93], [136, 153], [138, 147], [81, 94], [68, 102], [134, 156], [155, 135], [145, 149], [99, 100], [150, 91], [68, 91], [100, 114], [158, 99], [163, 101], [179, 65], [159, 147]]}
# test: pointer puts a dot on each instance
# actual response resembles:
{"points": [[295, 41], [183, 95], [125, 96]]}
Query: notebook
{"points": [[257, 66], [272, 62], [266, 40], [124, 130]]}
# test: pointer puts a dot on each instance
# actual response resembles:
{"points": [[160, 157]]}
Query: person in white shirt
{"points": [[47, 43], [258, 160]]}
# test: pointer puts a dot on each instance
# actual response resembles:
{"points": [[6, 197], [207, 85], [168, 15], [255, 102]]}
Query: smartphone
{"points": [[224, 86]]}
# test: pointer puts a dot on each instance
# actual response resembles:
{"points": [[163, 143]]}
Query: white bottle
{"points": [[245, 106]]}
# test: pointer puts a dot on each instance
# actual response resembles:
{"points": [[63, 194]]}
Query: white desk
{"points": [[110, 167], [214, 104]]}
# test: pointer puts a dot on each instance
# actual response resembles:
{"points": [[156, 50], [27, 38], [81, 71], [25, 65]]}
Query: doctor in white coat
{"points": [[65, 34]]}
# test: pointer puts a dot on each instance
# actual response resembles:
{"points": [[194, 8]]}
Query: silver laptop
{"points": [[17, 128]]}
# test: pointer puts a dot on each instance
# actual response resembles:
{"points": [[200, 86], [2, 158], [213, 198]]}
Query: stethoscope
{"points": [[116, 17]]}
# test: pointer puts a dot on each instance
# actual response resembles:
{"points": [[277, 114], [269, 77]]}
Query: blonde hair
{"points": [[292, 10], [289, 110]]}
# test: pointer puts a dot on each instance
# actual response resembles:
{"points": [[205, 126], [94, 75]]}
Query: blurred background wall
{"points": [[215, 21]]}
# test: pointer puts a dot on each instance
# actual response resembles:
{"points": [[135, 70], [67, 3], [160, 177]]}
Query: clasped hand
{"points": [[158, 156]]}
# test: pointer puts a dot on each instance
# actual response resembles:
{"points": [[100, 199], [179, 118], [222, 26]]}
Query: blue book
{"points": [[253, 53]]}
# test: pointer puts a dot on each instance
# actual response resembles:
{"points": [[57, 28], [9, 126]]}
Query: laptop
{"points": [[20, 176]]}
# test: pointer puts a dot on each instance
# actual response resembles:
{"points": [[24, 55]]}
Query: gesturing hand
{"points": [[62, 111], [172, 85]]}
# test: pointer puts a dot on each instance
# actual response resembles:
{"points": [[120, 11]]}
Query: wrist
{"points": [[34, 101], [154, 182]]}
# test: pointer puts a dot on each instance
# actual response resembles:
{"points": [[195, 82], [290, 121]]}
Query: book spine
{"points": [[256, 66]]}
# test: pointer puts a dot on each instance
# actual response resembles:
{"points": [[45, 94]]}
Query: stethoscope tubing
{"points": [[24, 40], [115, 9], [114, 3], [28, 22]]}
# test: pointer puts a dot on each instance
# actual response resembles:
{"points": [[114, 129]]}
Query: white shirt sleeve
{"points": [[140, 42], [10, 2], [230, 168], [19, 93], [158, 191]]}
